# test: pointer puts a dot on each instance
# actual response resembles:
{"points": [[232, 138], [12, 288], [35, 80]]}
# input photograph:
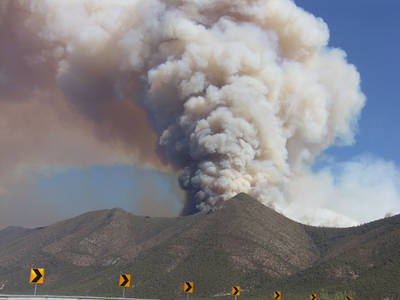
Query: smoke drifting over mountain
{"points": [[237, 96]]}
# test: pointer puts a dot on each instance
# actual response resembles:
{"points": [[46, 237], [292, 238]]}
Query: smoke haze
{"points": [[235, 96]]}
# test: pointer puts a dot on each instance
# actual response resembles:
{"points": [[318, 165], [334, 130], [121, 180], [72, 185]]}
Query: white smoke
{"points": [[243, 95], [347, 193]]}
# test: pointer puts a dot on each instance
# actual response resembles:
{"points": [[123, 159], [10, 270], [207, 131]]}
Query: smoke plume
{"points": [[235, 95]]}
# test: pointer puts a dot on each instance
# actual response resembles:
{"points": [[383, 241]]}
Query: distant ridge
{"points": [[242, 243]]}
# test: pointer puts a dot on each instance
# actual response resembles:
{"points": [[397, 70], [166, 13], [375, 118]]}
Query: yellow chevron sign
{"points": [[124, 280], [236, 290], [277, 295], [188, 287], [36, 276], [348, 298], [313, 296]]}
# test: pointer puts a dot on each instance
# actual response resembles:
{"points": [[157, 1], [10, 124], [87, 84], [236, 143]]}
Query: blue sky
{"points": [[367, 30], [140, 190]]}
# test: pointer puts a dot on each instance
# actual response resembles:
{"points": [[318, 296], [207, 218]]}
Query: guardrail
{"points": [[51, 297]]}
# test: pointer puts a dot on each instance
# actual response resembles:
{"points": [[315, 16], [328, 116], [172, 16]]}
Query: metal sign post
{"points": [[36, 277], [188, 288], [277, 295], [124, 282], [236, 291]]}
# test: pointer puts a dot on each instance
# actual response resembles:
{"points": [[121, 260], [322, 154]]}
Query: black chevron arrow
{"points": [[276, 295], [313, 297], [38, 275], [348, 298], [236, 291], [126, 280], [188, 286]]}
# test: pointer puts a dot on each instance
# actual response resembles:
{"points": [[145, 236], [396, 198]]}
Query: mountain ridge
{"points": [[242, 243]]}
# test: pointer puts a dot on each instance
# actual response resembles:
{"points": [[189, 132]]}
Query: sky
{"points": [[369, 33], [367, 30]]}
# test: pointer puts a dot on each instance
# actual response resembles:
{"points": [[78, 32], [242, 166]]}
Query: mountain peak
{"points": [[243, 242]]}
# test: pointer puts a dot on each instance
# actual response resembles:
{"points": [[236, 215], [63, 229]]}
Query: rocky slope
{"points": [[243, 243]]}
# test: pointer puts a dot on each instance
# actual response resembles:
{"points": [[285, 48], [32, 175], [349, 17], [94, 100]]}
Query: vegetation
{"points": [[243, 243]]}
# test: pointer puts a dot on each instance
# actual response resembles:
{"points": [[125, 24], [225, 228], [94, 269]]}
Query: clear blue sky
{"points": [[368, 30]]}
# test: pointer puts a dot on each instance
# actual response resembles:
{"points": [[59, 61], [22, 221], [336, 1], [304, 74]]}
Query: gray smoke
{"points": [[241, 95]]}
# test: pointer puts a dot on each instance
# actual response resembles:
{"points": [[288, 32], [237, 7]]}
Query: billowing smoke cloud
{"points": [[346, 193], [240, 95]]}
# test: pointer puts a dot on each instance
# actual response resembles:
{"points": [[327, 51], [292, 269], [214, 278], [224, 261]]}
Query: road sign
{"points": [[37, 276], [188, 287], [313, 296], [124, 280], [277, 295], [348, 297], [236, 290]]}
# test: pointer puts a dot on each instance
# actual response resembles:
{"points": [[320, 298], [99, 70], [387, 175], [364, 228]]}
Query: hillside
{"points": [[243, 243]]}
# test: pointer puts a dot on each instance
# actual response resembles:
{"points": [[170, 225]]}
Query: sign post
{"points": [[236, 291], [188, 288], [36, 277], [124, 281], [313, 296], [277, 295]]}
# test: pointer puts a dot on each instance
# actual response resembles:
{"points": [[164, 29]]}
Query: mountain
{"points": [[242, 243]]}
